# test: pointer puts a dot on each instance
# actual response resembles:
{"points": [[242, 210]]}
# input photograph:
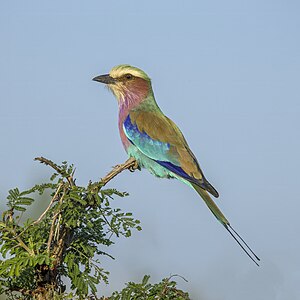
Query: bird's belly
{"points": [[148, 163]]}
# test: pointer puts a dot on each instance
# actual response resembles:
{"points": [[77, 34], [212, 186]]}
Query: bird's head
{"points": [[127, 83]]}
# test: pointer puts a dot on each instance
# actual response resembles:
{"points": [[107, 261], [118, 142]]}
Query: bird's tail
{"points": [[222, 219]]}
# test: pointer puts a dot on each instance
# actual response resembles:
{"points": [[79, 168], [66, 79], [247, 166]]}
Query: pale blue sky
{"points": [[227, 72]]}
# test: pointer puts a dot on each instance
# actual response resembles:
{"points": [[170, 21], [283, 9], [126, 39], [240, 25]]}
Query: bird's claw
{"points": [[134, 167]]}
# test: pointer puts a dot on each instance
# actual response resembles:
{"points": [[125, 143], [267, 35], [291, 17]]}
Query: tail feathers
{"points": [[222, 219], [242, 242], [211, 205]]}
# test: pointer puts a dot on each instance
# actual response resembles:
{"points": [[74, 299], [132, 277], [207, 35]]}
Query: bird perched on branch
{"points": [[156, 142]]}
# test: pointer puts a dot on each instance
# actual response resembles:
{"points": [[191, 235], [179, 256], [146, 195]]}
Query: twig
{"points": [[49, 206], [130, 164], [53, 165], [44, 213], [50, 163], [92, 261], [176, 275], [52, 231], [57, 228], [21, 243], [166, 284], [58, 251]]}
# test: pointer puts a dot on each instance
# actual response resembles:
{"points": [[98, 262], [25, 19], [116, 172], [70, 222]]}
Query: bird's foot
{"points": [[134, 167]]}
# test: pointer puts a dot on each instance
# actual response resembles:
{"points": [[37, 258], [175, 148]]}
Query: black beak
{"points": [[105, 79]]}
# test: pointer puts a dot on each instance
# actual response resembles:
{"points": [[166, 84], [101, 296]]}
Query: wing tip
{"points": [[208, 187]]}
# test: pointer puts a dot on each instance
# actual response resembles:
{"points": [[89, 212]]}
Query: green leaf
{"points": [[14, 193], [12, 271], [145, 279], [25, 201], [19, 208]]}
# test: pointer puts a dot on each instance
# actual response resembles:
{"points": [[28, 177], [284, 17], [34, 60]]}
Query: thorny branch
{"points": [[60, 171], [130, 164], [50, 163]]}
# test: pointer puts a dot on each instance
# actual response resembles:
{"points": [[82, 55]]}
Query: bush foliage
{"points": [[78, 225]]}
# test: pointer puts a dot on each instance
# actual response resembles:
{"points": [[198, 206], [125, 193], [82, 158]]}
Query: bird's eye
{"points": [[128, 76]]}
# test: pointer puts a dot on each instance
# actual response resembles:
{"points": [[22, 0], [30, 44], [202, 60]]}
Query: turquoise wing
{"points": [[163, 152]]}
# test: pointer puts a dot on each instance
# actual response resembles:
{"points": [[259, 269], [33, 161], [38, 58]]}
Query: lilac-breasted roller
{"points": [[155, 141]]}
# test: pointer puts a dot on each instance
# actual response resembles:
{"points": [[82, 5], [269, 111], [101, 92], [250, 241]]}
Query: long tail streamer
{"points": [[242, 243], [223, 220]]}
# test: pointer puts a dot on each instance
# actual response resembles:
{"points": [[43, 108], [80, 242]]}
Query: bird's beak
{"points": [[107, 79]]}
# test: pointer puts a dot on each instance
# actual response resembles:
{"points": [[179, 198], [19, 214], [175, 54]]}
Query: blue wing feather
{"points": [[175, 169], [156, 150], [152, 148]]}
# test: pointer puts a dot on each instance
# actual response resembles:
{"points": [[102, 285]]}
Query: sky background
{"points": [[227, 72]]}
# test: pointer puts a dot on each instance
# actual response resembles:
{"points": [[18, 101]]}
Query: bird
{"points": [[155, 141]]}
